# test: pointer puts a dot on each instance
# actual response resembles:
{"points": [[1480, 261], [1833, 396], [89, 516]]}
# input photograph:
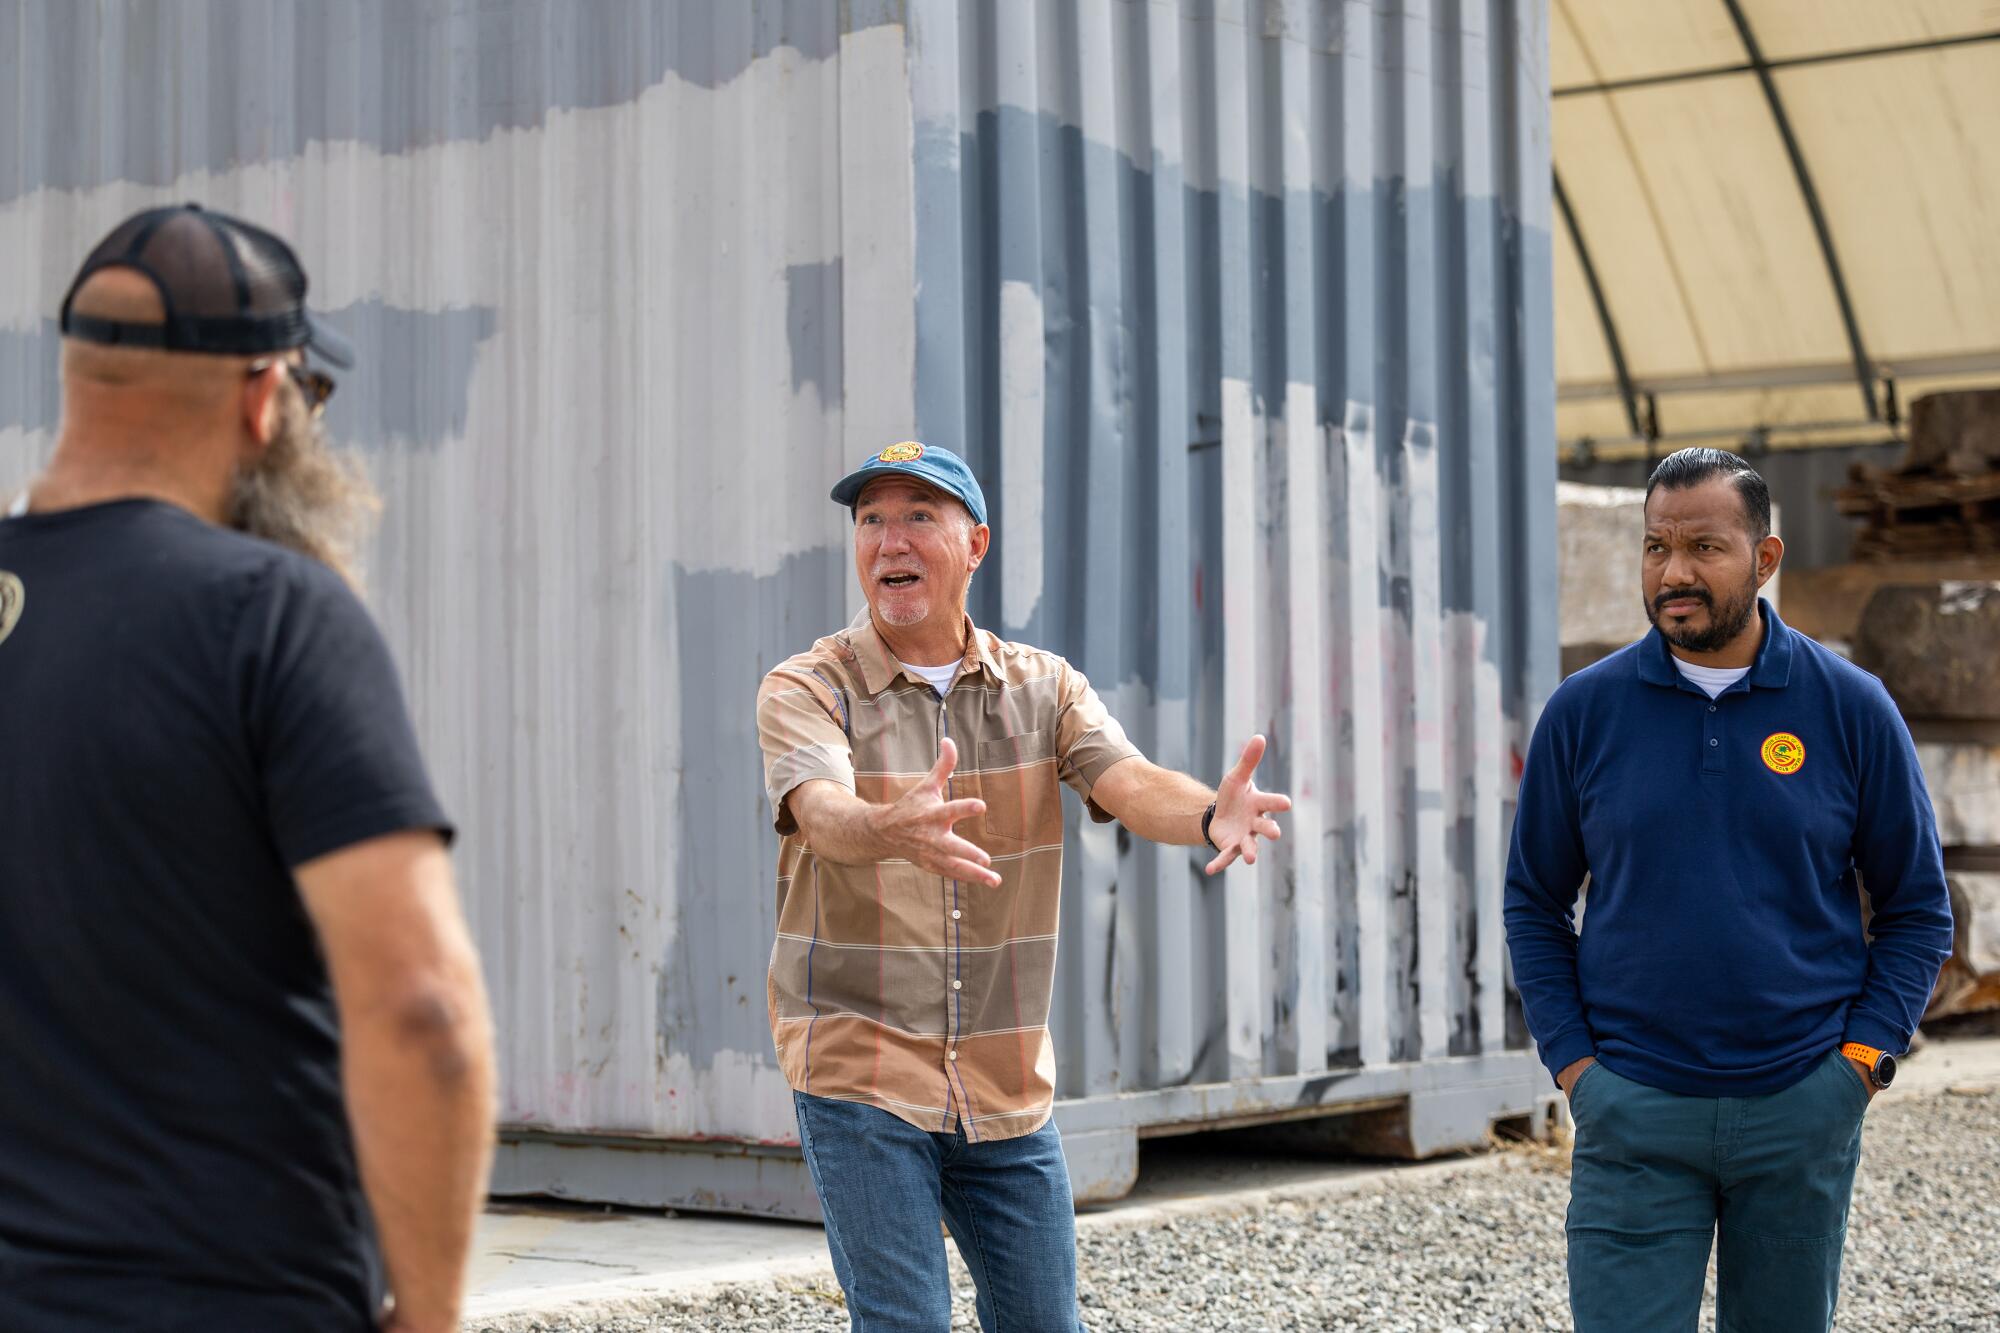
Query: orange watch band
{"points": [[1866, 1055]]}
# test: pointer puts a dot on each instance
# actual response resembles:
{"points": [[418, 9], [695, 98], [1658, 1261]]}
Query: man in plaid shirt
{"points": [[912, 763]]}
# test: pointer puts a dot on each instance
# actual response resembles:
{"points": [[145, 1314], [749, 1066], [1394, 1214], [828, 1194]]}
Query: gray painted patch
{"points": [[30, 379], [412, 378], [215, 84], [411, 382], [812, 327], [711, 999]]}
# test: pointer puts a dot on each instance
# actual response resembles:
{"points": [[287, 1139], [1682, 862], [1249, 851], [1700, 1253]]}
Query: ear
{"points": [[1770, 552], [260, 406], [982, 537]]}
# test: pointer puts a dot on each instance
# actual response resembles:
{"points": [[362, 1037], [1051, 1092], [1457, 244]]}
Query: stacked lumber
{"points": [[1936, 646], [1943, 501]]}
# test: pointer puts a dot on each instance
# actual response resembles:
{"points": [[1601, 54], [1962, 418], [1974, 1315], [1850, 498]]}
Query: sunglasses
{"points": [[315, 385]]}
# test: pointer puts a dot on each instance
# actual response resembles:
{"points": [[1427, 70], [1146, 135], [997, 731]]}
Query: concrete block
{"points": [[1957, 432], [1970, 981], [1598, 529], [1964, 782], [1975, 911], [1936, 646]]}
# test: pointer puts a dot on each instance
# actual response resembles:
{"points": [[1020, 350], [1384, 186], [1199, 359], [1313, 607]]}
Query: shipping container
{"points": [[1239, 309]]}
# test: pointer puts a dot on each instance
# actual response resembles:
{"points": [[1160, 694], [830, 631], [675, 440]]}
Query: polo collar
{"points": [[879, 666], [1772, 669]]}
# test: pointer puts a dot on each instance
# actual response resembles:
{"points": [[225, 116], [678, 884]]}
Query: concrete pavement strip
{"points": [[533, 1259]]}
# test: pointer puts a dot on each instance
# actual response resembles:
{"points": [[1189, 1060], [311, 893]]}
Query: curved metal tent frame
{"points": [[1636, 74]]}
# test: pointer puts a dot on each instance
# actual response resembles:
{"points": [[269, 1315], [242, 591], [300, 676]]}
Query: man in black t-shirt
{"points": [[245, 1056]]}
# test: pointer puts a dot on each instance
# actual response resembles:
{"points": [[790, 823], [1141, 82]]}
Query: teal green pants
{"points": [[1657, 1178]]}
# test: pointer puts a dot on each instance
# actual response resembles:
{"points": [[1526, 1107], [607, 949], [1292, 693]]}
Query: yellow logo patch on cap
{"points": [[1784, 753], [909, 451]]}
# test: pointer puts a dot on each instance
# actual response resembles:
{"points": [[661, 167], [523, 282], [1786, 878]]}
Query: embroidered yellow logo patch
{"points": [[12, 597], [909, 451], [1784, 753]]}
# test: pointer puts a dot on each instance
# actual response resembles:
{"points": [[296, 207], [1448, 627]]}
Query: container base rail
{"points": [[1410, 1111]]}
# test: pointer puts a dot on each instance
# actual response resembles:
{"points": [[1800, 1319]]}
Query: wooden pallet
{"points": [[1922, 516], [1944, 540], [1880, 493]]}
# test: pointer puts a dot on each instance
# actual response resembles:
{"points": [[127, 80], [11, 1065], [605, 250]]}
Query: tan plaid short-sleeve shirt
{"points": [[891, 985]]}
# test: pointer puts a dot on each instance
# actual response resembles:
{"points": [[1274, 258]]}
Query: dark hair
{"points": [[1691, 467]]}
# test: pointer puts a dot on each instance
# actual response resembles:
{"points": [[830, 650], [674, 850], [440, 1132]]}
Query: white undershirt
{"points": [[1714, 680], [940, 677]]}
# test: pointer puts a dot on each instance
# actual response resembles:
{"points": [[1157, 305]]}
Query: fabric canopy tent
{"points": [[1778, 221]]}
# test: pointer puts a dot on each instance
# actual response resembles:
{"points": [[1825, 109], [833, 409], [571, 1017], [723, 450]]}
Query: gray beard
{"points": [[307, 496]]}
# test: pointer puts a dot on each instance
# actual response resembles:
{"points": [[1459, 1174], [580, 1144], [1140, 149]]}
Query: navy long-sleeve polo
{"points": [[1721, 951]]}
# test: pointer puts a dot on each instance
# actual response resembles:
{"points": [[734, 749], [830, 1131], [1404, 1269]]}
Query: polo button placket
{"points": [[954, 1098], [1711, 734]]}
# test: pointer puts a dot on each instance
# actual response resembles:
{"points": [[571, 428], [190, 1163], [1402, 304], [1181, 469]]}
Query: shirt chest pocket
{"points": [[1017, 780]]}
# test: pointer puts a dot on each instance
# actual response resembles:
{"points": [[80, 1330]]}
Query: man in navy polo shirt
{"points": [[1728, 787]]}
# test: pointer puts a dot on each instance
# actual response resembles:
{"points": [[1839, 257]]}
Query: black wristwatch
{"points": [[1206, 816]]}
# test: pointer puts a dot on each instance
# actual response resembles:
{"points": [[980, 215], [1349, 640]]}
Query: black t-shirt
{"points": [[185, 714]]}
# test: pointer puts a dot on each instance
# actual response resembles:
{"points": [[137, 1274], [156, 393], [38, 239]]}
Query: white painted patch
{"points": [[1304, 845], [1426, 741], [738, 1088], [22, 454], [1023, 373], [1364, 702], [1243, 710]]}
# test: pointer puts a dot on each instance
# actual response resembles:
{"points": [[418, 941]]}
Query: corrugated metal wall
{"points": [[1240, 310], [1239, 304]]}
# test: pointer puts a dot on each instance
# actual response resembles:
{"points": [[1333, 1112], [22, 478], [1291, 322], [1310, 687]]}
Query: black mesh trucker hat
{"points": [[228, 288]]}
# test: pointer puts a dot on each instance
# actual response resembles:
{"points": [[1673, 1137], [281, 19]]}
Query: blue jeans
{"points": [[883, 1184], [1657, 1177]]}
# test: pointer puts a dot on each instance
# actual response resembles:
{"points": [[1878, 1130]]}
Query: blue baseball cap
{"points": [[926, 462]]}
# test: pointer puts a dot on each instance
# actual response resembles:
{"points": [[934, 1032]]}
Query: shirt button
{"points": [[1713, 743], [958, 985], [951, 1055], [954, 914], [1711, 708]]}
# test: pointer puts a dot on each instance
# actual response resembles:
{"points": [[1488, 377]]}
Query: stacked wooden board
{"points": [[1944, 500]]}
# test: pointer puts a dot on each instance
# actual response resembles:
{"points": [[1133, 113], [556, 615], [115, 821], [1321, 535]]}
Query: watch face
{"points": [[1885, 1070]]}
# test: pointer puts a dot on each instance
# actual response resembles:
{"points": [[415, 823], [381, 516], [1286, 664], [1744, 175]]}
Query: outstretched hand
{"points": [[918, 827], [1243, 813]]}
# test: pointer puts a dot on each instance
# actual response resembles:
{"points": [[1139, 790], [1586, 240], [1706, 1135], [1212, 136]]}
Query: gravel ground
{"points": [[1479, 1252]]}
